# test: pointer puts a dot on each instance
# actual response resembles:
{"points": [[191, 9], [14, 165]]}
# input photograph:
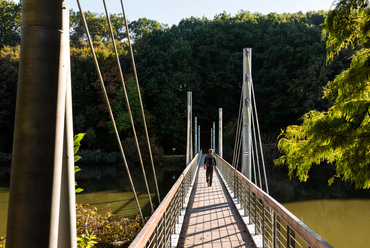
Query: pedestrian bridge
{"points": [[233, 212]]}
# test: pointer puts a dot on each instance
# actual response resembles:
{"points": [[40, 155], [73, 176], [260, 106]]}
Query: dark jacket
{"points": [[212, 158]]}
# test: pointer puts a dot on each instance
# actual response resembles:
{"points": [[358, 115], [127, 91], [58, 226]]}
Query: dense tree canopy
{"points": [[340, 135], [199, 55], [205, 56], [10, 23]]}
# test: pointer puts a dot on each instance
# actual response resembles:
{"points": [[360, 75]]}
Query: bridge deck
{"points": [[212, 219]]}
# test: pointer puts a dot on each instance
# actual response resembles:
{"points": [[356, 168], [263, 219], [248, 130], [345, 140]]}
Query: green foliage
{"points": [[2, 242], [10, 23], [110, 230], [338, 136], [9, 62], [205, 56], [346, 26], [98, 27], [199, 55], [86, 241], [76, 144], [140, 31]]}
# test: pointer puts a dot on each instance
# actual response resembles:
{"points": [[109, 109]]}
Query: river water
{"points": [[342, 223]]}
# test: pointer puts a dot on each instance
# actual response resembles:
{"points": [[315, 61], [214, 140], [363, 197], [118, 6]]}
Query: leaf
{"points": [[79, 190], [77, 140], [76, 158]]}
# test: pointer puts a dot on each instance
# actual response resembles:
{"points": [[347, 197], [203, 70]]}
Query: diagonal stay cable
{"points": [[254, 166], [256, 151], [259, 136], [141, 102], [239, 142], [238, 152], [109, 108], [128, 105], [237, 136]]}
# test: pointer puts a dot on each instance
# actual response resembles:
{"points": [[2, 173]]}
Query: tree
{"points": [[9, 62], [205, 56], [340, 135], [10, 23], [140, 31], [98, 27]]}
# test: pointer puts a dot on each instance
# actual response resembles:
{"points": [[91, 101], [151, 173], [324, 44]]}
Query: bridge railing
{"points": [[269, 223], [164, 226]]}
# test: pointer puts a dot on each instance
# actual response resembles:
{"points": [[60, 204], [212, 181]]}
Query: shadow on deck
{"points": [[211, 219]]}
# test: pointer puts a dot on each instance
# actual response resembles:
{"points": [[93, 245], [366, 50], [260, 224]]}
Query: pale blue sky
{"points": [[172, 11]]}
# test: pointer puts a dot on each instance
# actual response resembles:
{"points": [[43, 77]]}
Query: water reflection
{"points": [[116, 202], [342, 223], [108, 189]]}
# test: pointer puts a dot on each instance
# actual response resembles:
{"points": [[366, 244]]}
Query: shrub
{"points": [[2, 242], [110, 230]]}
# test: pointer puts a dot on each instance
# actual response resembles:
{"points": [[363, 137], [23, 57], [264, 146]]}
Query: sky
{"points": [[173, 11]]}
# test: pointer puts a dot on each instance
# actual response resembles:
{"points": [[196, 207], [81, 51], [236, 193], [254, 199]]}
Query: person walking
{"points": [[209, 163]]}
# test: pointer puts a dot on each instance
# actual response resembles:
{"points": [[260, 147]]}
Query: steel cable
{"points": [[140, 99], [128, 106], [109, 108], [237, 134], [256, 149], [259, 137]]}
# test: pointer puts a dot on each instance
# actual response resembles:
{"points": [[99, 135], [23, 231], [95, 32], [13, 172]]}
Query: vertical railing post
{"points": [[263, 223], [249, 206], [287, 236], [278, 236], [292, 238]]}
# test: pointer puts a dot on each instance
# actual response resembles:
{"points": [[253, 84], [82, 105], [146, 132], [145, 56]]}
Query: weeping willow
{"points": [[341, 135]]}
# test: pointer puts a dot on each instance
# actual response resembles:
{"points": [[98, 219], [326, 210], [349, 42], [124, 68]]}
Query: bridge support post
{"points": [[35, 206], [195, 135], [189, 145], [220, 132], [247, 131], [214, 136], [198, 138]]}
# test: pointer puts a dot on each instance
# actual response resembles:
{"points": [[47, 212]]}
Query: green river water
{"points": [[342, 223]]}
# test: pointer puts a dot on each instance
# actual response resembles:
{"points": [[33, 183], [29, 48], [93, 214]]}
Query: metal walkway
{"points": [[233, 212], [211, 219]]}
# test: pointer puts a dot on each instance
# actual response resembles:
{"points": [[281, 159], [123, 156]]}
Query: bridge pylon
{"points": [[42, 192], [247, 112]]}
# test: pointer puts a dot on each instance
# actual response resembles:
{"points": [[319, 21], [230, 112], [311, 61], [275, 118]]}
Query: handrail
{"points": [[270, 223], [163, 227]]}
